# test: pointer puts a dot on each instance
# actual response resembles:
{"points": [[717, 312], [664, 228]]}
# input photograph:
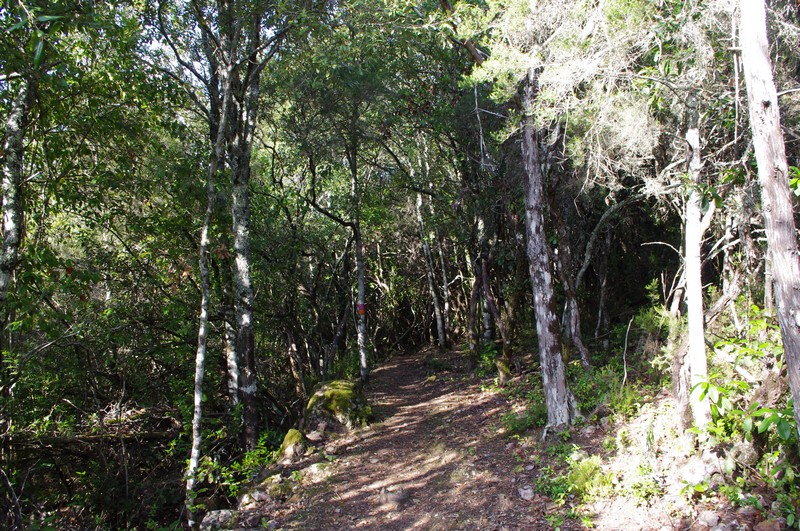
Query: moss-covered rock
{"points": [[293, 446], [339, 402]]}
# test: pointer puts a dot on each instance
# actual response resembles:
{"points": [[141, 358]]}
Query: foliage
{"points": [[586, 477], [737, 417], [794, 180], [487, 355], [367, 105], [533, 416]]}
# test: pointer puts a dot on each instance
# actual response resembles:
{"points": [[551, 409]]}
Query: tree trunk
{"points": [[199, 364], [242, 266], [13, 201], [472, 312], [773, 175], [13, 227], [445, 290], [225, 282], [572, 316], [562, 409], [361, 306], [429, 272], [503, 360], [769, 294], [231, 355], [696, 357], [202, 333]]}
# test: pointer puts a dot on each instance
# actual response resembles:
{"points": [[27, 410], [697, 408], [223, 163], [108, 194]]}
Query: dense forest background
{"points": [[222, 204]]}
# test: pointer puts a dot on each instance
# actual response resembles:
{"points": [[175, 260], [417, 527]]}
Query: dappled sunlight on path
{"points": [[432, 459]]}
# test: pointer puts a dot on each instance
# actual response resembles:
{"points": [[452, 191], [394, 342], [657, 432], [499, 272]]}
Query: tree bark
{"points": [[361, 306], [773, 174], [696, 357], [243, 291], [13, 201], [13, 157], [769, 294], [562, 408], [231, 354], [202, 333]]}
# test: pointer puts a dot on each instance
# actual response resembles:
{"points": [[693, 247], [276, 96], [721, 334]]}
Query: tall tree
{"points": [[773, 175], [694, 229], [233, 43], [562, 408]]}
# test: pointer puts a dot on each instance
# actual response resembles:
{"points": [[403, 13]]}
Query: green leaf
{"points": [[747, 424], [38, 53], [713, 393], [765, 424], [48, 18], [19, 25], [784, 429]]}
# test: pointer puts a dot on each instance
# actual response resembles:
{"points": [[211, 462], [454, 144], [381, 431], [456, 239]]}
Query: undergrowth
{"points": [[752, 427]]}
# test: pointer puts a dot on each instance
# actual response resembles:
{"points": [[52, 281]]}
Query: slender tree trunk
{"points": [[199, 366], [225, 283], [472, 310], [296, 367], [361, 305], [13, 231], [243, 292], [773, 175], [696, 357], [503, 360], [445, 290], [487, 319], [231, 355], [602, 273], [472, 334], [429, 272], [562, 408], [202, 334], [13, 202], [572, 316], [242, 281]]}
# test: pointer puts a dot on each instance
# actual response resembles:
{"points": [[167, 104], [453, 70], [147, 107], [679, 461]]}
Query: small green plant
{"points": [[642, 485], [561, 450], [587, 479], [794, 185], [486, 358], [695, 491], [556, 520], [535, 415], [553, 485]]}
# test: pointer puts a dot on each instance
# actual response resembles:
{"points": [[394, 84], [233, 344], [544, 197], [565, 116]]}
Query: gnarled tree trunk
{"points": [[562, 408], [773, 174]]}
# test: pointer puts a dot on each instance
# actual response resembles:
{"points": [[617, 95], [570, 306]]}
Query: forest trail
{"points": [[433, 458]]}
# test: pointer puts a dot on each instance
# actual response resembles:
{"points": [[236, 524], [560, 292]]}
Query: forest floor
{"points": [[438, 457]]}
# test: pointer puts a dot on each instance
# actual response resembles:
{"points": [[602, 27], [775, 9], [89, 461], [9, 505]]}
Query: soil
{"points": [[436, 457]]}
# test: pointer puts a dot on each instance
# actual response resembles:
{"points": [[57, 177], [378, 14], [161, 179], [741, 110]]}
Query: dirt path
{"points": [[433, 459]]}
